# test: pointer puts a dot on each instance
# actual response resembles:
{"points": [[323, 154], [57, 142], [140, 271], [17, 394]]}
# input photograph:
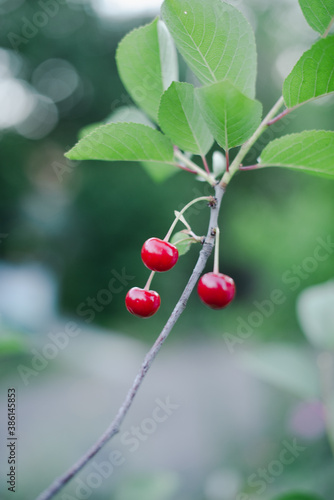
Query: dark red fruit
{"points": [[142, 303], [159, 255], [216, 290]]}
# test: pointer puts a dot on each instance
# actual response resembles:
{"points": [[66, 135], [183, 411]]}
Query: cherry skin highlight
{"points": [[216, 290], [142, 303], [159, 255]]}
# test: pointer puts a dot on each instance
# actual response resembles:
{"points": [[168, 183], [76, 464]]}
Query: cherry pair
{"points": [[215, 289], [159, 256]]}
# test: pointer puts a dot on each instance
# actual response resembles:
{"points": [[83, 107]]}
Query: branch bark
{"points": [[114, 427]]}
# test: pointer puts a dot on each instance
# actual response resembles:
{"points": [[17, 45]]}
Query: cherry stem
{"points": [[182, 219], [216, 260], [227, 156], [194, 236], [280, 116], [250, 167], [177, 218], [149, 281], [205, 163]]}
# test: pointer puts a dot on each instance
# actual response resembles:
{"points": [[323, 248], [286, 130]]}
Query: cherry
{"points": [[216, 290], [159, 255], [142, 303]]}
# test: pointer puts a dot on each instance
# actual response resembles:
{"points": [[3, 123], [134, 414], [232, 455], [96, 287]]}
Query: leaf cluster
{"points": [[218, 45]]}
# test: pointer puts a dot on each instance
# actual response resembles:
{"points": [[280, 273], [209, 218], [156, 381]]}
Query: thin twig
{"points": [[114, 427], [245, 148], [185, 168], [280, 116], [250, 167], [179, 214], [328, 29], [205, 163]]}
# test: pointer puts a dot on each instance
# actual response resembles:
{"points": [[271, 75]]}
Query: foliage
{"points": [[312, 77], [215, 40], [231, 116], [147, 64], [180, 118], [318, 14], [124, 142], [311, 151], [218, 45]]}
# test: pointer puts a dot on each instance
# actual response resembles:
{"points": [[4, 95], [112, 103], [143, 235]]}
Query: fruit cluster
{"points": [[159, 256], [215, 289]]}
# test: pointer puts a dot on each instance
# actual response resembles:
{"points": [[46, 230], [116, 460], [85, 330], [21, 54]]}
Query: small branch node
{"points": [[212, 203]]}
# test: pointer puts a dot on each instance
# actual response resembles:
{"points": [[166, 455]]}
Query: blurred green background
{"points": [[67, 227]]}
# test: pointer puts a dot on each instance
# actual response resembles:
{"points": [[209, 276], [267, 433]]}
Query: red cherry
{"points": [[216, 290], [142, 303], [159, 255]]}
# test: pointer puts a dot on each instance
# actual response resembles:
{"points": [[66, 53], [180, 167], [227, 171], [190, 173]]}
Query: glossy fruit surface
{"points": [[159, 255], [142, 303], [216, 290]]}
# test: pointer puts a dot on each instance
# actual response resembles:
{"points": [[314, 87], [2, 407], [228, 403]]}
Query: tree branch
{"points": [[114, 427]]}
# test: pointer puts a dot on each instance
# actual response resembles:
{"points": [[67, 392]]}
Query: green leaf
{"points": [[231, 116], [316, 315], [147, 64], [318, 13], [310, 151], [159, 172], [180, 118], [123, 142], [312, 76], [129, 114], [284, 366], [184, 246], [215, 39], [298, 496]]}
